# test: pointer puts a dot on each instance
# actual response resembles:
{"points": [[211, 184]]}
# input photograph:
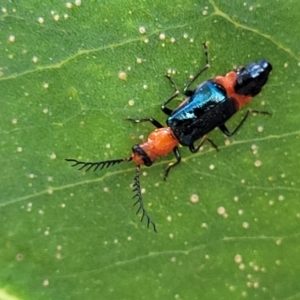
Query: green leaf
{"points": [[228, 221]]}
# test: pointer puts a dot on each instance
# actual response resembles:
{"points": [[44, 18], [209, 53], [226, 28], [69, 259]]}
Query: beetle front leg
{"points": [[151, 120]]}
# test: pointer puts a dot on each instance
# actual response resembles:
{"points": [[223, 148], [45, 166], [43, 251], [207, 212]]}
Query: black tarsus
{"points": [[95, 165], [200, 71], [186, 91], [137, 190], [151, 120], [165, 109]]}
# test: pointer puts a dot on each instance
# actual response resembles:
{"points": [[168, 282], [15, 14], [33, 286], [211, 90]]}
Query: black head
{"points": [[142, 153], [251, 78]]}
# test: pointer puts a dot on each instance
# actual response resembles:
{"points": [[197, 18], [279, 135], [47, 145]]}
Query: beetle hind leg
{"points": [[225, 130]]}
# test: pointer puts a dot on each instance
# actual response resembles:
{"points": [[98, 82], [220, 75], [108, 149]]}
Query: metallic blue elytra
{"points": [[206, 109], [214, 101]]}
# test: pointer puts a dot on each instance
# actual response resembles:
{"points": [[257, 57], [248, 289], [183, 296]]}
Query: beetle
{"points": [[206, 107]]}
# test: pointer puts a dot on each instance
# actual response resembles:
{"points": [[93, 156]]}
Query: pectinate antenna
{"points": [[86, 166], [139, 202]]}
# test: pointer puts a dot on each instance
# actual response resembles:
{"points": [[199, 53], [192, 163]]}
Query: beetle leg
{"points": [[173, 164], [138, 194], [165, 109], [151, 120], [225, 130], [205, 138], [186, 91]]}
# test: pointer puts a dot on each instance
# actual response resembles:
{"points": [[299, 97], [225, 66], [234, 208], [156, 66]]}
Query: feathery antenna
{"points": [[138, 194], [96, 165], [86, 166]]}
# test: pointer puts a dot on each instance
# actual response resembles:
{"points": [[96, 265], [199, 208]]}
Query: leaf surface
{"points": [[228, 221]]}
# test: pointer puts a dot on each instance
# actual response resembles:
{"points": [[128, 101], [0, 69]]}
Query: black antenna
{"points": [[95, 165], [86, 166], [137, 190]]}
